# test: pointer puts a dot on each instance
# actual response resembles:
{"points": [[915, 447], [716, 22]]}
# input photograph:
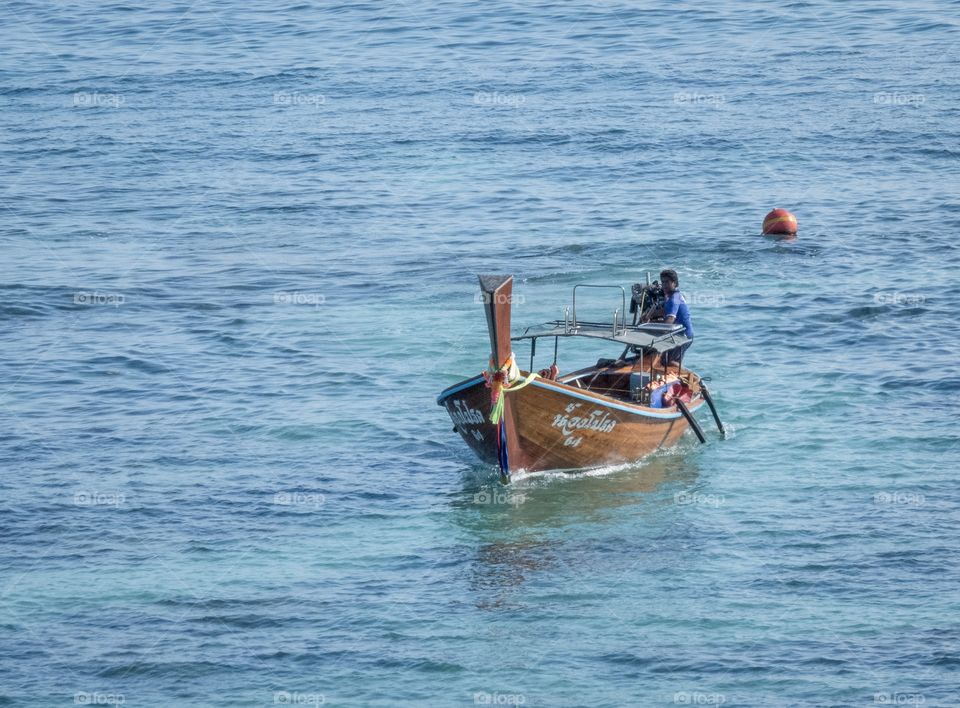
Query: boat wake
{"points": [[604, 471]]}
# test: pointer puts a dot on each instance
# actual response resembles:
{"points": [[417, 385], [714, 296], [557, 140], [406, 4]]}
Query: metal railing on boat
{"points": [[616, 313]]}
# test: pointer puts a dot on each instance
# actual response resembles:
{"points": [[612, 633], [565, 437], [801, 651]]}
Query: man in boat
{"points": [[674, 310]]}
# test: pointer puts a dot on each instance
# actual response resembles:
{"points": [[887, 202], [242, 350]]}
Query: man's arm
{"points": [[670, 309]]}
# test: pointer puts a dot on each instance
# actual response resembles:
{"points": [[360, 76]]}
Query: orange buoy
{"points": [[780, 222]]}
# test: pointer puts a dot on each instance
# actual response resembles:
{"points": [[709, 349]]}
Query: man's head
{"points": [[669, 280]]}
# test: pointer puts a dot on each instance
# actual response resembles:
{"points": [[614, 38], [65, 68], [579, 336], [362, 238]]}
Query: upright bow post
{"points": [[497, 294]]}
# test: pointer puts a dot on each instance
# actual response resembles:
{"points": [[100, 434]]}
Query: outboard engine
{"points": [[644, 299]]}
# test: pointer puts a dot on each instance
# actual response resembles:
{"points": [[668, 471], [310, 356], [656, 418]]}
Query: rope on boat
{"points": [[501, 381]]}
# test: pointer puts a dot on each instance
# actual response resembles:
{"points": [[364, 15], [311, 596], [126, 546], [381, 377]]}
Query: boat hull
{"points": [[561, 427]]}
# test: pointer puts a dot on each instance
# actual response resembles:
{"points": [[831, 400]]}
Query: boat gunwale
{"points": [[580, 393]]}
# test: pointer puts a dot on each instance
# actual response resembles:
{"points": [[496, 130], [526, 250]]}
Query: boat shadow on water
{"points": [[525, 530], [554, 499]]}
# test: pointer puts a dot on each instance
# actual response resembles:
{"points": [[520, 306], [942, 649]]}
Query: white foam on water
{"points": [[602, 471]]}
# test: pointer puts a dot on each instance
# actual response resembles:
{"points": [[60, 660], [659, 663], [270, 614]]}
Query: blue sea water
{"points": [[240, 245]]}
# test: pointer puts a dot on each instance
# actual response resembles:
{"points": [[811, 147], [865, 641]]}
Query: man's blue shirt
{"points": [[675, 305]]}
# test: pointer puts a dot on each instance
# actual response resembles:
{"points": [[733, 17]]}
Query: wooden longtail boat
{"points": [[613, 412]]}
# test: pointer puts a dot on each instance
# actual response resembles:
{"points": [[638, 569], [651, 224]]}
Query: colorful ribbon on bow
{"points": [[498, 381]]}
